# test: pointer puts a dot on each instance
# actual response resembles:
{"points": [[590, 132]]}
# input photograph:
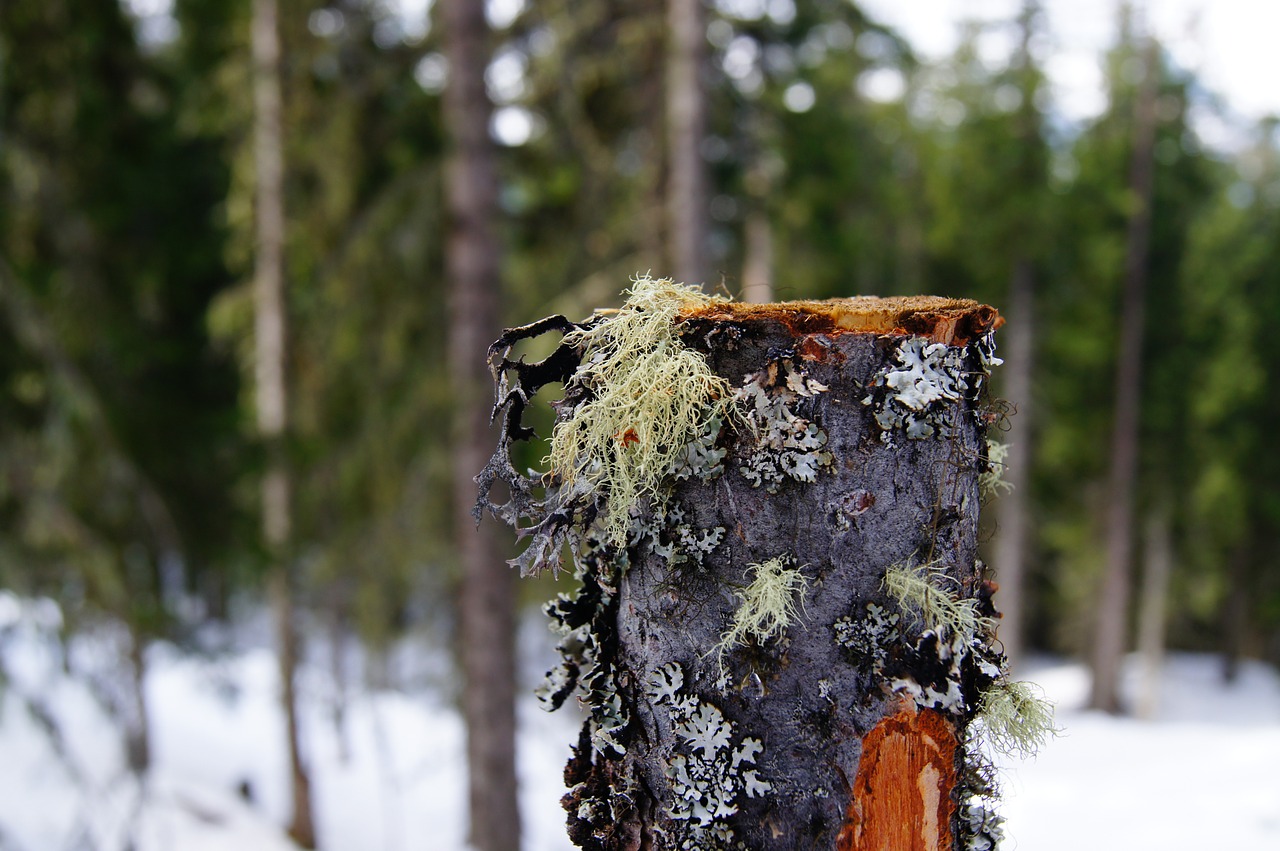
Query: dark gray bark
{"points": [[486, 640], [848, 728]]}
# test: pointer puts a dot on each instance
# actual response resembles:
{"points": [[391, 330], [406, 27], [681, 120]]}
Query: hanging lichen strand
{"points": [[783, 637]]}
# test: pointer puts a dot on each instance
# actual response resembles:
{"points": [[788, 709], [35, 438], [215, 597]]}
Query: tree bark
{"points": [[487, 606], [271, 387], [846, 726], [687, 206], [1111, 627]]}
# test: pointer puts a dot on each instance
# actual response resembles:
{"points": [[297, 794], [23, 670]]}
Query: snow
{"points": [[1200, 775]]}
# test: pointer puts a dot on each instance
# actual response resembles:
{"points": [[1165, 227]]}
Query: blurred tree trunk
{"points": [[1235, 612], [687, 227], [137, 729], [1111, 626], [1157, 566], [487, 637], [1010, 557], [270, 349], [757, 261]]}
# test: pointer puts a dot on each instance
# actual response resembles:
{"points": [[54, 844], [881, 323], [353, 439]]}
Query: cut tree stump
{"points": [[789, 647]]}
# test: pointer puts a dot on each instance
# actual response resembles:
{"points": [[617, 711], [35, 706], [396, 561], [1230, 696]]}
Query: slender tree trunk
{"points": [[137, 726], [487, 637], [1235, 612], [687, 226], [1010, 557], [757, 261], [1111, 627], [1157, 567], [271, 352]]}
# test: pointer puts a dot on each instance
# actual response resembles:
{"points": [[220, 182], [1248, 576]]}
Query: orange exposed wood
{"points": [[942, 320], [902, 793]]}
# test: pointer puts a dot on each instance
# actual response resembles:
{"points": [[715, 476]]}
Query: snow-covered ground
{"points": [[1201, 775]]}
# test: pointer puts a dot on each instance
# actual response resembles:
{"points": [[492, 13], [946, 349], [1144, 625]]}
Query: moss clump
{"points": [[1015, 718], [648, 397], [768, 604], [917, 589]]}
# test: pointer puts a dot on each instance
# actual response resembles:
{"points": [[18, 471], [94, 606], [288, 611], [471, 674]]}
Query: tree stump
{"points": [[788, 645]]}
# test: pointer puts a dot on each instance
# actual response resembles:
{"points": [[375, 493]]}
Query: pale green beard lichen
{"points": [[917, 590], [651, 396], [1014, 718], [768, 605], [991, 480]]}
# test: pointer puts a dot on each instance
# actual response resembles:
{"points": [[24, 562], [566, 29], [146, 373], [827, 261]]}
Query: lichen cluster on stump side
{"points": [[750, 680]]}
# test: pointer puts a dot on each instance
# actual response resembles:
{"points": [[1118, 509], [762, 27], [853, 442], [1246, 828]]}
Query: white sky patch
{"points": [[502, 13], [156, 24], [1229, 44], [513, 126], [415, 17], [505, 76], [432, 72], [799, 97], [882, 84]]}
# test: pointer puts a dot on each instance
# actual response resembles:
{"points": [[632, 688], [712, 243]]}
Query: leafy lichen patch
{"points": [[786, 444], [919, 389], [672, 536], [869, 636], [709, 773]]}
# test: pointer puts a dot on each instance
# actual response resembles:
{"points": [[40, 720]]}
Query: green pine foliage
{"points": [[126, 205]]}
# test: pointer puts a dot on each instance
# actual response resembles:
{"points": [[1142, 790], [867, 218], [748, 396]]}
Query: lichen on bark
{"points": [[840, 439]]}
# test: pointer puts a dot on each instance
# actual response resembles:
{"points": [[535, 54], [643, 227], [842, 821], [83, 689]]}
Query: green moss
{"points": [[649, 397]]}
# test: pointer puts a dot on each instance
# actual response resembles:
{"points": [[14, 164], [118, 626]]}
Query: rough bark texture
{"points": [[487, 604], [271, 387], [835, 728], [921, 503]]}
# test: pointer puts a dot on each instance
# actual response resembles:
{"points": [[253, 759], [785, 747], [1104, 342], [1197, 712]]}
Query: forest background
{"points": [[1138, 266]]}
